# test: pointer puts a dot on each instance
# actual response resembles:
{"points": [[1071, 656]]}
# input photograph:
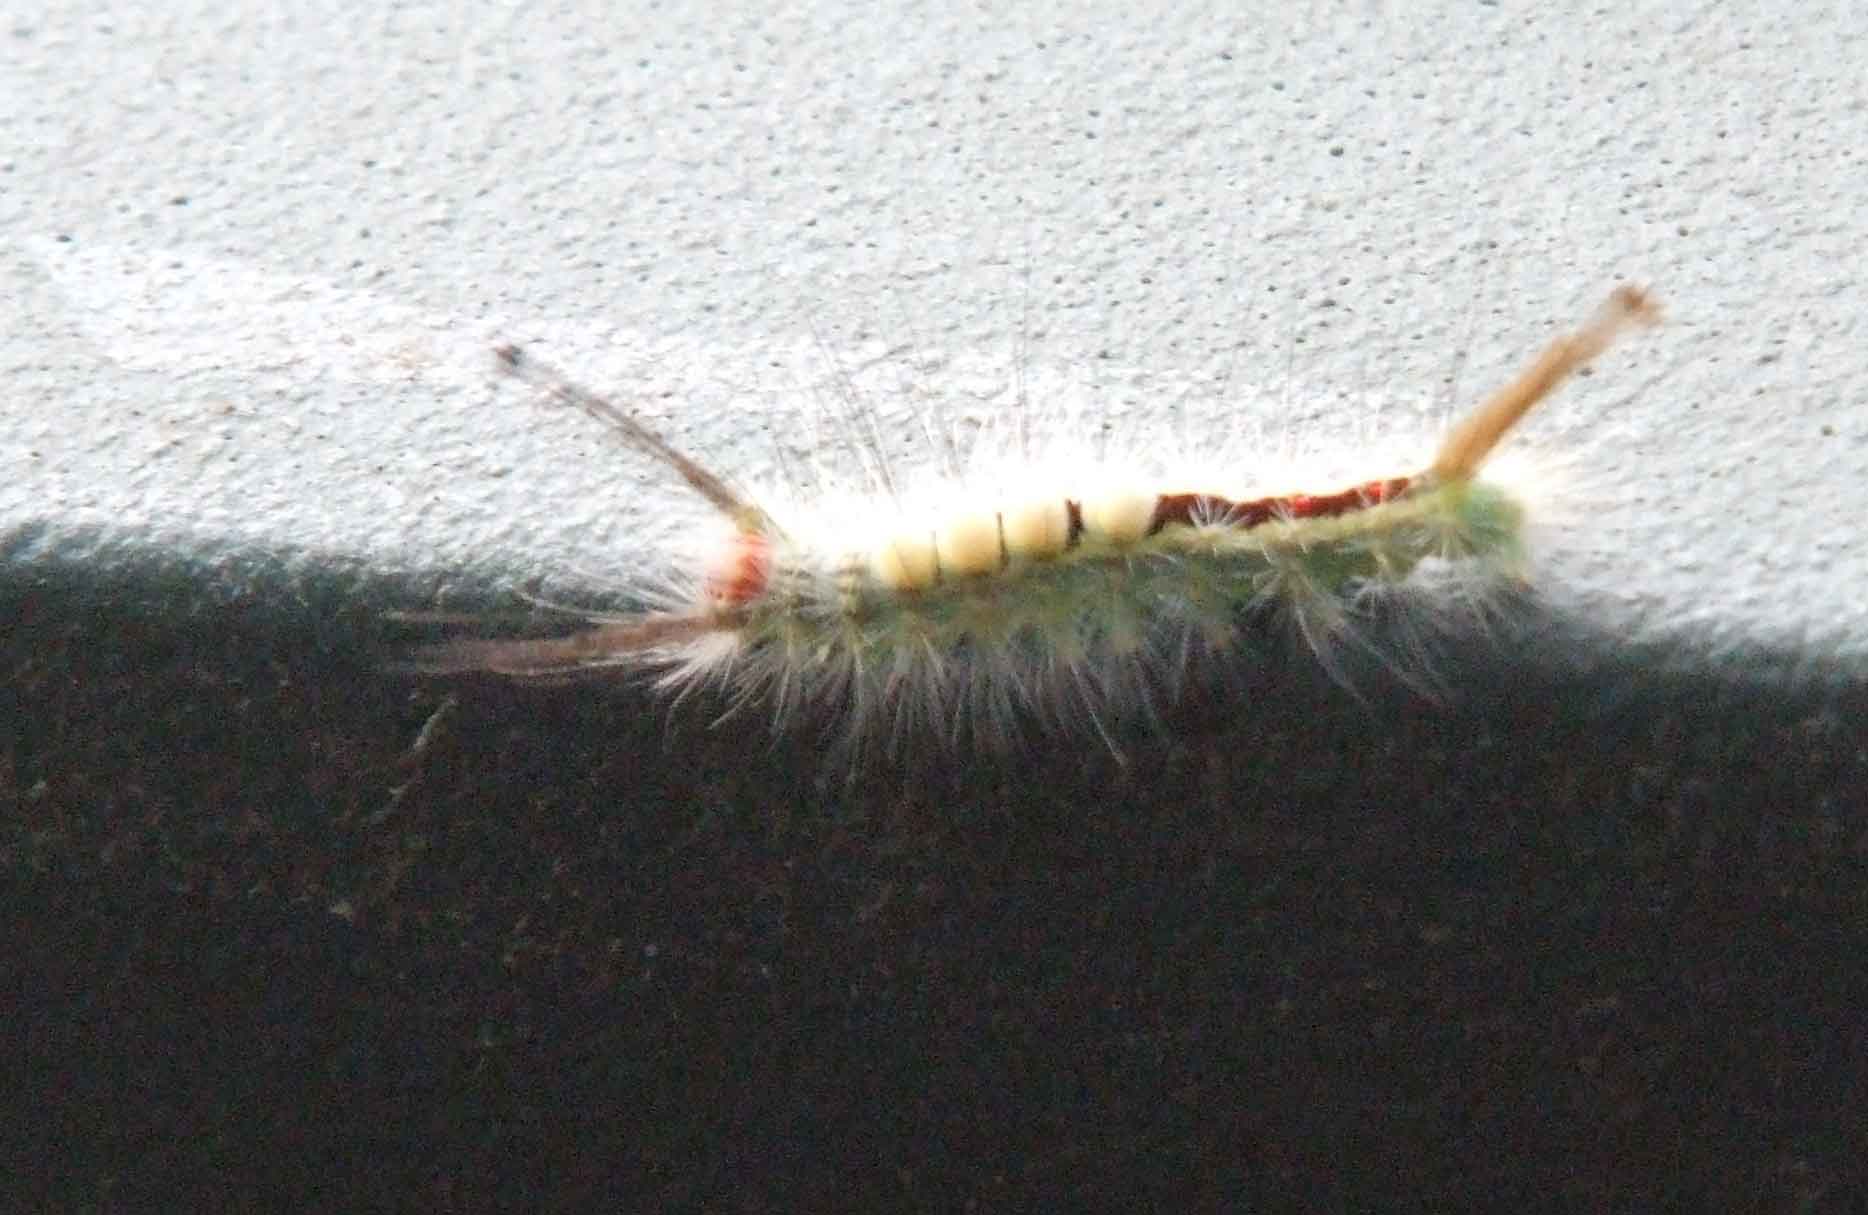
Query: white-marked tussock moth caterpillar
{"points": [[1003, 589]]}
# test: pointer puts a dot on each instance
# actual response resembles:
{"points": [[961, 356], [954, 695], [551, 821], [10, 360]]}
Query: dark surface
{"points": [[1592, 934]]}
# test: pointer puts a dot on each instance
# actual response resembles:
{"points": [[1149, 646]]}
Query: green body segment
{"points": [[1101, 600]]}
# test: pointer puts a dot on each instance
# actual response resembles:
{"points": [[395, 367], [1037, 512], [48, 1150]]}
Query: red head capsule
{"points": [[742, 571]]}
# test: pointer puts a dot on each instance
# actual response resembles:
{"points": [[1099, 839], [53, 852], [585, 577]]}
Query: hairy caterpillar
{"points": [[1028, 588]]}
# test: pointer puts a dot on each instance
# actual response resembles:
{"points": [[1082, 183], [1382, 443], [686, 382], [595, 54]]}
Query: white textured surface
{"points": [[253, 262]]}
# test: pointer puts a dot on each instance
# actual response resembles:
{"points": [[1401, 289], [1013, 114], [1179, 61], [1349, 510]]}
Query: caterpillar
{"points": [[1021, 587]]}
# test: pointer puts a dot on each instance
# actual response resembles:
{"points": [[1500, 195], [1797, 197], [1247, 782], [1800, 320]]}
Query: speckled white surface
{"points": [[253, 262]]}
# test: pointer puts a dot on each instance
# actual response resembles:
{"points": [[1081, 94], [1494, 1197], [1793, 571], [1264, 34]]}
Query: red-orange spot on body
{"points": [[743, 571], [1191, 509]]}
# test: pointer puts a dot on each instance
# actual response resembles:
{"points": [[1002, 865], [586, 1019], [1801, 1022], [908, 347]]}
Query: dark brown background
{"points": [[1590, 934]]}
